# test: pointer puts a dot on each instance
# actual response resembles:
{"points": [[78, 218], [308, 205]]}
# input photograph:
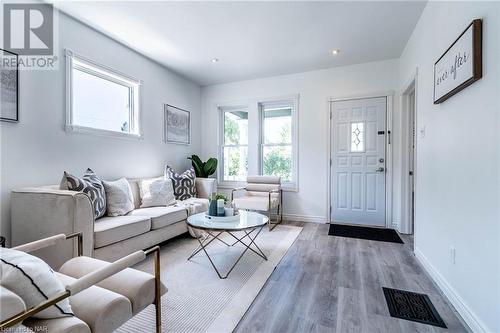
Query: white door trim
{"points": [[406, 227], [388, 177]]}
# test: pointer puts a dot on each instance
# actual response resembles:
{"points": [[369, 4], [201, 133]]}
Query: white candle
{"points": [[220, 207]]}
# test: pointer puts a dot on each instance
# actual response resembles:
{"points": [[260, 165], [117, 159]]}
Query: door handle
{"points": [[381, 169]]}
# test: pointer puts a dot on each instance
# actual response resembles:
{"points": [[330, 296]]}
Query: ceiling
{"points": [[253, 39]]}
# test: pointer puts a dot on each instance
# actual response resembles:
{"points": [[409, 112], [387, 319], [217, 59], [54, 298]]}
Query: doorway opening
{"points": [[409, 148]]}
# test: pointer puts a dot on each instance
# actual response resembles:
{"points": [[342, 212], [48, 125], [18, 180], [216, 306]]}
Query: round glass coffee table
{"points": [[250, 223]]}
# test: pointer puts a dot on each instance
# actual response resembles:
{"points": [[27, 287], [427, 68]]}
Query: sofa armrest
{"points": [[38, 213], [205, 187]]}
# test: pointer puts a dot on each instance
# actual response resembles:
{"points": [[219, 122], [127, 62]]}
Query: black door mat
{"points": [[376, 234], [412, 306]]}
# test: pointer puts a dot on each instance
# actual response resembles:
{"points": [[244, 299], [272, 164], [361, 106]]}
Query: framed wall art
{"points": [[177, 125], [460, 65], [9, 86]]}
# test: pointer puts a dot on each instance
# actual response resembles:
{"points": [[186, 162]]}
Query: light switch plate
{"points": [[421, 132]]}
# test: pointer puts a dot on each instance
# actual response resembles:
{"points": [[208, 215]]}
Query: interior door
{"points": [[358, 135]]}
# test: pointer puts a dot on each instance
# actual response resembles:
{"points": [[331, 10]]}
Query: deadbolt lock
{"points": [[381, 160]]}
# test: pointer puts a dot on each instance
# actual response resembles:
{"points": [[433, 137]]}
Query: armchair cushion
{"points": [[263, 183], [10, 304], [161, 216], [101, 309], [135, 285], [256, 201], [59, 325], [33, 280], [109, 230]]}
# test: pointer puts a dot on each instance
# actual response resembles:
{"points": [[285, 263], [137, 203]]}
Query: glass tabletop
{"points": [[247, 220]]}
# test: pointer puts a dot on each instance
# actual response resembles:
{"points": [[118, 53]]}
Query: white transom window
{"points": [[101, 100]]}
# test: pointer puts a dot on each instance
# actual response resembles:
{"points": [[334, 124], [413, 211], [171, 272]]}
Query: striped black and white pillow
{"points": [[184, 183], [34, 281], [92, 186]]}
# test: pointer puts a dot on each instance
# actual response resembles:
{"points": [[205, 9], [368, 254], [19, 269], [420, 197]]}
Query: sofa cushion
{"points": [[137, 286], [109, 230], [161, 216], [103, 310], [59, 325]]}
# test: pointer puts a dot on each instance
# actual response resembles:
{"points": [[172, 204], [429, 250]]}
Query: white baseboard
{"points": [[304, 218], [395, 225], [462, 308]]}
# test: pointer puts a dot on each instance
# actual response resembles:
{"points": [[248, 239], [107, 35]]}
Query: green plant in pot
{"points": [[203, 169]]}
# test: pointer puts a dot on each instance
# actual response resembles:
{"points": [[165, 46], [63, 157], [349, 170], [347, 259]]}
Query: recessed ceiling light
{"points": [[214, 60], [335, 51]]}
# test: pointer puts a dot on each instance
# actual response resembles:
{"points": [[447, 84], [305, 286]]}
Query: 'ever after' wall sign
{"points": [[460, 65]]}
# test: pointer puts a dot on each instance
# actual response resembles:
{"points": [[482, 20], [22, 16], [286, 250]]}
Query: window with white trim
{"points": [[234, 149], [276, 153], [259, 138], [101, 99]]}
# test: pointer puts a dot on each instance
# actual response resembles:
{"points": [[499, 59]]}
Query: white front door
{"points": [[358, 132]]}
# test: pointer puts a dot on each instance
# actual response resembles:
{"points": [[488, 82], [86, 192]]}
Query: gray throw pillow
{"points": [[156, 192], [119, 198], [184, 183], [91, 185]]}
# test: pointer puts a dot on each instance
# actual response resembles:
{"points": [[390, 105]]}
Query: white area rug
{"points": [[197, 300]]}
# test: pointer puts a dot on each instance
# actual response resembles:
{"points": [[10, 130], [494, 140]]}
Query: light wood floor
{"points": [[334, 284]]}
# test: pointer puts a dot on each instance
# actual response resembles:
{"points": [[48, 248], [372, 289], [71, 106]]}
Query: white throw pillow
{"points": [[119, 198], [34, 281], [156, 192]]}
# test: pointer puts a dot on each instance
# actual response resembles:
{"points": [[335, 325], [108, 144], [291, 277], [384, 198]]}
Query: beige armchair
{"points": [[103, 295], [262, 193]]}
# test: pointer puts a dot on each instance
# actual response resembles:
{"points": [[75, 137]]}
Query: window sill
{"points": [[101, 132], [287, 187]]}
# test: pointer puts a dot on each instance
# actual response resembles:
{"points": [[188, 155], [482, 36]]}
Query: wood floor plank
{"points": [[334, 284]]}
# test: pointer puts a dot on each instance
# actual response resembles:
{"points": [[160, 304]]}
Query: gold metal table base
{"points": [[215, 234]]}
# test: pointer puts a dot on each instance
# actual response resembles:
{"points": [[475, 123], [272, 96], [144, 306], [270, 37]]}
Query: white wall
{"points": [[37, 150], [310, 202], [458, 168]]}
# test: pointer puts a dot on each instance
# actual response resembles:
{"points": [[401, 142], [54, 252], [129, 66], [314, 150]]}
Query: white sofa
{"points": [[40, 212]]}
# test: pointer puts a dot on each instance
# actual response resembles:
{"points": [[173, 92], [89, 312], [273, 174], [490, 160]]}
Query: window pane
{"points": [[277, 161], [100, 103], [235, 163], [278, 125], [357, 137], [235, 127]]}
